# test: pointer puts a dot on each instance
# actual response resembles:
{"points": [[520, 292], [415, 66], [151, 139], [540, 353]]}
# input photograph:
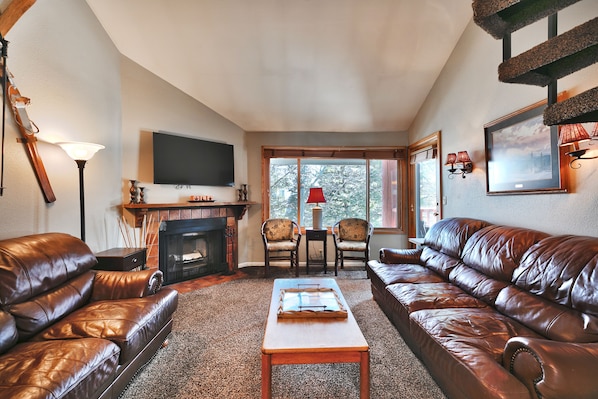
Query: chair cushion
{"points": [[278, 229], [351, 246], [281, 246], [353, 229]]}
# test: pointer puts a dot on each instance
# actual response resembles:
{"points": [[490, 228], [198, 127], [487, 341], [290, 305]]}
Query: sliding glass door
{"points": [[424, 185]]}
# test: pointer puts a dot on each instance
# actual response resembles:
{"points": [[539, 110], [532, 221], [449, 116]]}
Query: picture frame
{"points": [[523, 155]]}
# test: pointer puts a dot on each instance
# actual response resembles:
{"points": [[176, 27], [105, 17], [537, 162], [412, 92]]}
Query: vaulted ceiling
{"points": [[293, 65]]}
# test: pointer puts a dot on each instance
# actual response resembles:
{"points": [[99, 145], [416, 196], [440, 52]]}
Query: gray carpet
{"points": [[214, 350]]}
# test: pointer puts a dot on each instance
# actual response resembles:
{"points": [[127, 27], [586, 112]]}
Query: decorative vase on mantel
{"points": [[244, 188], [133, 191]]}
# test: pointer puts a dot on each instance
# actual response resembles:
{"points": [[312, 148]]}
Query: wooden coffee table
{"points": [[309, 340]]}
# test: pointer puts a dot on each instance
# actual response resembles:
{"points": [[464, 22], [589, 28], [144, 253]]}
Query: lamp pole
{"points": [[81, 166]]}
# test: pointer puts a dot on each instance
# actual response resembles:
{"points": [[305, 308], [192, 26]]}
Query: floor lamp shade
{"points": [[81, 153], [316, 195]]}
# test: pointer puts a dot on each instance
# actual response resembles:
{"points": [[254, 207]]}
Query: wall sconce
{"points": [[316, 195], [462, 157], [573, 135], [80, 153]]}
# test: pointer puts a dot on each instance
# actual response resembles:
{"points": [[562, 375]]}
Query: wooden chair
{"points": [[351, 235], [280, 241]]}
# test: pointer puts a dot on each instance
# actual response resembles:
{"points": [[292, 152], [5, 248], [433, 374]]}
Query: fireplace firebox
{"points": [[192, 248]]}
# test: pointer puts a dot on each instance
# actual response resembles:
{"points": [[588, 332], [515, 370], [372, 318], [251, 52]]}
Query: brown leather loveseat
{"points": [[495, 311], [67, 331]]}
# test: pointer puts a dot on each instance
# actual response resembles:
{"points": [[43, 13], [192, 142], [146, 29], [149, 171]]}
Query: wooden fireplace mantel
{"points": [[140, 210]]}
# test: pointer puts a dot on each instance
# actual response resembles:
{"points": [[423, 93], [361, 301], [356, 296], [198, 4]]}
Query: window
{"points": [[365, 183]]}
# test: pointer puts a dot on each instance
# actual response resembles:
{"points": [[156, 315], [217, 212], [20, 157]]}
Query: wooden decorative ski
{"points": [[28, 130], [11, 14]]}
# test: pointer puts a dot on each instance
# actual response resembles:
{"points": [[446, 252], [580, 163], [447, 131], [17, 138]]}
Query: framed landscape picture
{"points": [[522, 154]]}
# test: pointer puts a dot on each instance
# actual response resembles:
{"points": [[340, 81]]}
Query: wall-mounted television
{"points": [[183, 160]]}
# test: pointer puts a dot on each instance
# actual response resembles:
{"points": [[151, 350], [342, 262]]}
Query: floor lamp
{"points": [[81, 153]]}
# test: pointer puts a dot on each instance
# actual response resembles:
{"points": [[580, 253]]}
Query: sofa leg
{"points": [[165, 343]]}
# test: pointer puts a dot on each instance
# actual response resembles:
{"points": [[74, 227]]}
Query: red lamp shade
{"points": [[463, 157], [451, 159], [316, 195], [570, 134]]}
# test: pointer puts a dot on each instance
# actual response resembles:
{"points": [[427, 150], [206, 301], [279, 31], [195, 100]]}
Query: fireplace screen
{"points": [[192, 248]]}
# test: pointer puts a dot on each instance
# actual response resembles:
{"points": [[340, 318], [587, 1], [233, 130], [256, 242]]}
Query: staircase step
{"points": [[555, 58], [501, 17], [579, 109]]}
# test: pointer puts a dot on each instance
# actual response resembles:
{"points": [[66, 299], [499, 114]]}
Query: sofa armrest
{"points": [[391, 255], [121, 285], [553, 369]]}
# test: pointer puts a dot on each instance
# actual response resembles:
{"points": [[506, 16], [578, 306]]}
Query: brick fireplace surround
{"points": [[154, 214]]}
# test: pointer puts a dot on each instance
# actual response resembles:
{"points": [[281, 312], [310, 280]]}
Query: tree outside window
{"points": [[362, 188]]}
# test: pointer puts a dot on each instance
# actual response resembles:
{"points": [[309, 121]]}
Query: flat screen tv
{"points": [[190, 161]]}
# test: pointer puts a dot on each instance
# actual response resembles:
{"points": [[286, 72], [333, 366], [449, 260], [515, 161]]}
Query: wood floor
{"points": [[247, 272], [206, 281]]}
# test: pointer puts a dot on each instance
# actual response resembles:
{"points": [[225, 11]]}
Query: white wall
{"points": [[151, 104], [75, 96], [468, 95], [256, 140]]}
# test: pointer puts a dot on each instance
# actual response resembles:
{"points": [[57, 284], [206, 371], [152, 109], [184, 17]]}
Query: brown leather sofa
{"points": [[70, 332], [495, 311]]}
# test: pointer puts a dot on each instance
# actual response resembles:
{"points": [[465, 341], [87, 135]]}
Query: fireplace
{"points": [[159, 217], [192, 248]]}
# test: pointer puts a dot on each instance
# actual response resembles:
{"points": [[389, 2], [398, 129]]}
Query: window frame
{"points": [[398, 153]]}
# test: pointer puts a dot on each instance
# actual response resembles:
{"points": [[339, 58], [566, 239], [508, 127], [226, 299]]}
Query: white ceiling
{"points": [[293, 65]]}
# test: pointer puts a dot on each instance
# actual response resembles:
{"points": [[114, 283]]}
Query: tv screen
{"points": [[189, 161]]}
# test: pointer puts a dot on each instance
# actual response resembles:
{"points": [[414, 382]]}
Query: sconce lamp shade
{"points": [[460, 158], [463, 157], [316, 196], [80, 151], [451, 159], [573, 133]]}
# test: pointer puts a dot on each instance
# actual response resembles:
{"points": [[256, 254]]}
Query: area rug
{"points": [[214, 350]]}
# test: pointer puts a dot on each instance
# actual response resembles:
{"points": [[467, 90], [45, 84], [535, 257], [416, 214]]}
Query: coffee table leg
{"points": [[267, 376], [364, 375]]}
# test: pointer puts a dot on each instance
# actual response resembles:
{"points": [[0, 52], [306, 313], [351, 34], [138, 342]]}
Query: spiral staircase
{"points": [[542, 65]]}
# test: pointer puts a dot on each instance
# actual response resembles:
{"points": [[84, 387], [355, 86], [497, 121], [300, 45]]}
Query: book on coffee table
{"points": [[310, 302]]}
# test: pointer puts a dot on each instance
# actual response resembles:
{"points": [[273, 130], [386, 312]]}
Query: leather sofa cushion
{"points": [[31, 265], [129, 323], [408, 273], [57, 369], [497, 250], [40, 312], [551, 320], [477, 284], [463, 349], [449, 235], [8, 332], [414, 297], [439, 262], [465, 332], [562, 269]]}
